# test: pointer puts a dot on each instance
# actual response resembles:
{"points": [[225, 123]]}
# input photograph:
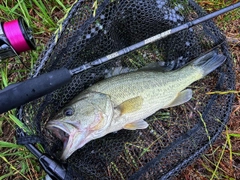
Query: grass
{"points": [[22, 159], [16, 162], [221, 161], [42, 16]]}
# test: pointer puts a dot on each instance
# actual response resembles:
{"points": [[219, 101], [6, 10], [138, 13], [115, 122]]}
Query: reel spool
{"points": [[15, 37]]}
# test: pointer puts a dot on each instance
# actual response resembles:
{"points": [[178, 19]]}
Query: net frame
{"points": [[46, 64]]}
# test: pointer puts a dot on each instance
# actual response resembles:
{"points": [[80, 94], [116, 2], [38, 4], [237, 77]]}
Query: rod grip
{"points": [[18, 94]]}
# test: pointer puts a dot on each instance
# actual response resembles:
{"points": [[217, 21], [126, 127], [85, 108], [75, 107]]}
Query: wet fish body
{"points": [[124, 101]]}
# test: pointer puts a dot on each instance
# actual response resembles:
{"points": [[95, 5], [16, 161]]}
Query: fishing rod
{"points": [[21, 93]]}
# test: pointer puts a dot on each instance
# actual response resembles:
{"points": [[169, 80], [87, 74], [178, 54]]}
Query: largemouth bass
{"points": [[124, 101]]}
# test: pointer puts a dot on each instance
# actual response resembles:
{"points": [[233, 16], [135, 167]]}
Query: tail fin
{"points": [[209, 62]]}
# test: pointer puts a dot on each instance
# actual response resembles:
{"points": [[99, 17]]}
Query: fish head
{"points": [[85, 118]]}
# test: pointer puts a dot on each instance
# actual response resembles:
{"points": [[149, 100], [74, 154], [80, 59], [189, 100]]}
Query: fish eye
{"points": [[68, 111]]}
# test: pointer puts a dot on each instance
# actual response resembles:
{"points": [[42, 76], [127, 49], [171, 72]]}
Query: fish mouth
{"points": [[69, 134], [60, 130]]}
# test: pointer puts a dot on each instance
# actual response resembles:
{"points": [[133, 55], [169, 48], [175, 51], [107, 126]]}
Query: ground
{"points": [[13, 161]]}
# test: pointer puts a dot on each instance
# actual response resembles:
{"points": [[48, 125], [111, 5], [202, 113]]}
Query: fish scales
{"points": [[152, 86], [124, 101]]}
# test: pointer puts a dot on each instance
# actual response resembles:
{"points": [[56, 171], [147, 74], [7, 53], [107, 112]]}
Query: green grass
{"points": [[213, 161], [44, 17], [22, 158], [218, 161], [223, 20]]}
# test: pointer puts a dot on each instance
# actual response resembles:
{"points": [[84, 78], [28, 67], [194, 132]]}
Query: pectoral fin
{"points": [[140, 124], [182, 97], [131, 105]]}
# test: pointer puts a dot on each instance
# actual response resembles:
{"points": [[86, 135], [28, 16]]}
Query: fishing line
{"points": [[15, 36]]}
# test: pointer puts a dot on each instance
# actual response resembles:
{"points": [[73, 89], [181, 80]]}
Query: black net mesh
{"points": [[176, 136]]}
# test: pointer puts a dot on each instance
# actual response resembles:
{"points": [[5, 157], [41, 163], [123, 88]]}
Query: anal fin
{"points": [[182, 97], [140, 124]]}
